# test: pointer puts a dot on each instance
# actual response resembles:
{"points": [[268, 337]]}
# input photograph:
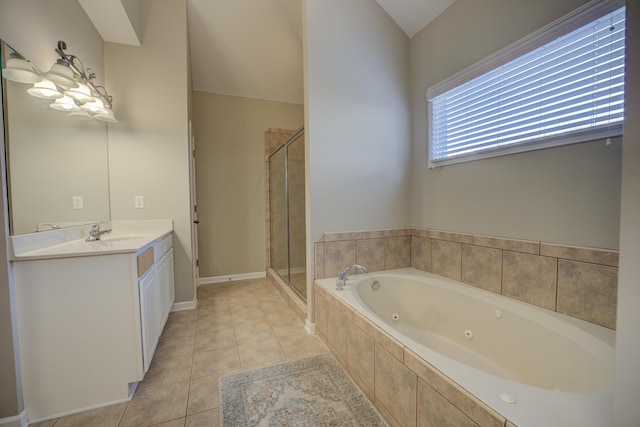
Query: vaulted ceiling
{"points": [[250, 48], [254, 48]]}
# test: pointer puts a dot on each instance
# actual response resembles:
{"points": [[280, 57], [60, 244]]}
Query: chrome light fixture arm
{"points": [[85, 75]]}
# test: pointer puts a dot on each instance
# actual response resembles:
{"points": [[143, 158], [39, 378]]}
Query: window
{"points": [[561, 85]]}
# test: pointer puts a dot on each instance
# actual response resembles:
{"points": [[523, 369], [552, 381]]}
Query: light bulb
{"points": [[65, 104], [45, 89]]}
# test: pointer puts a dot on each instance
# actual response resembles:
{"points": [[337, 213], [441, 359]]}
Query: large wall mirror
{"points": [[57, 166]]}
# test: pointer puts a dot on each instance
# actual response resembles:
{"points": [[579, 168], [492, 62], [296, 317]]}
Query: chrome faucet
{"points": [[344, 275], [95, 233]]}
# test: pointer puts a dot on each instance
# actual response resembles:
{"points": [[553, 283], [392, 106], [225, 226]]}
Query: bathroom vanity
{"points": [[90, 313]]}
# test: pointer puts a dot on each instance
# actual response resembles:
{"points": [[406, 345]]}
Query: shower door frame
{"points": [[283, 146]]}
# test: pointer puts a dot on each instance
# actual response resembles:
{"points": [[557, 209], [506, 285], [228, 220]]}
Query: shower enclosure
{"points": [[287, 239]]}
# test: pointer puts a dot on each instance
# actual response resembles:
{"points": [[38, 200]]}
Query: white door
{"points": [[194, 207]]}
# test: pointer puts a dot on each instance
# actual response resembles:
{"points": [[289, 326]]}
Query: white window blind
{"points": [[567, 90]]}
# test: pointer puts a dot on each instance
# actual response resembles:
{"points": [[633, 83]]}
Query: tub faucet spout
{"points": [[344, 275]]}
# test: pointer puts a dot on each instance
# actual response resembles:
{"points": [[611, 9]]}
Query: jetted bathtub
{"points": [[534, 366]]}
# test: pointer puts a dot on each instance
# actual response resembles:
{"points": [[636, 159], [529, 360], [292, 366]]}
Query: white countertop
{"points": [[126, 237]]}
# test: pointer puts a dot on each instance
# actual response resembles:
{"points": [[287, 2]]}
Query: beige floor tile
{"points": [[183, 316], [266, 292], [154, 405], [174, 346], [248, 333], [167, 371], [215, 340], [214, 314], [209, 310], [244, 305], [178, 422], [261, 351], [302, 342], [241, 296], [49, 423], [287, 330], [108, 416], [261, 365], [216, 291], [249, 318], [203, 394], [273, 303], [286, 322], [213, 324], [204, 419], [213, 362], [172, 329], [285, 313]]}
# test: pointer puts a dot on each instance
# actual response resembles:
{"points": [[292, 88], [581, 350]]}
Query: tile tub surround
{"points": [[577, 281], [407, 390], [377, 250]]}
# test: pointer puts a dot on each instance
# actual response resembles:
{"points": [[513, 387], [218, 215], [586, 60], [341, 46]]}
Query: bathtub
{"points": [[534, 366]]}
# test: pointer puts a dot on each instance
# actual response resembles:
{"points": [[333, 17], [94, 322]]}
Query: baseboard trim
{"points": [[15, 421], [232, 277], [187, 305]]}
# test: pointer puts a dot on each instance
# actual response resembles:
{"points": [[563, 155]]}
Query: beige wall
{"points": [[627, 379], [357, 101], [33, 27], [230, 174], [568, 195], [148, 149], [357, 120]]}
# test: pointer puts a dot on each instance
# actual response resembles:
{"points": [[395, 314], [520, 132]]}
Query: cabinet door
{"points": [[165, 286], [163, 297], [149, 314], [171, 292]]}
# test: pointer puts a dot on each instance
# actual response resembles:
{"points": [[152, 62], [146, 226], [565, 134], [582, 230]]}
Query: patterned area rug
{"points": [[309, 392]]}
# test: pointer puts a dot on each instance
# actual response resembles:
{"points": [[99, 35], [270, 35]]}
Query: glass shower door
{"points": [[297, 227], [287, 222], [278, 214]]}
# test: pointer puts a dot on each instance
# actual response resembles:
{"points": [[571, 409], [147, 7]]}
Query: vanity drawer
{"points": [[162, 247], [145, 261]]}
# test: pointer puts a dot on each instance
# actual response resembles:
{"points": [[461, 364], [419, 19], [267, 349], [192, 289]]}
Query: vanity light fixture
{"points": [[80, 93], [80, 115], [20, 70], [67, 82], [61, 74], [64, 104], [106, 117], [45, 89], [95, 107], [84, 79]]}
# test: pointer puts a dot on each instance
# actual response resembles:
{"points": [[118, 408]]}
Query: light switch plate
{"points": [[78, 202], [139, 202]]}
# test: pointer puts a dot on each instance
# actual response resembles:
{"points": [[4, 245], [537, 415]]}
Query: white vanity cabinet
{"points": [[88, 324]]}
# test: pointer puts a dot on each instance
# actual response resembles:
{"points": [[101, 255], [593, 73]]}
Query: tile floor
{"points": [[237, 326]]}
